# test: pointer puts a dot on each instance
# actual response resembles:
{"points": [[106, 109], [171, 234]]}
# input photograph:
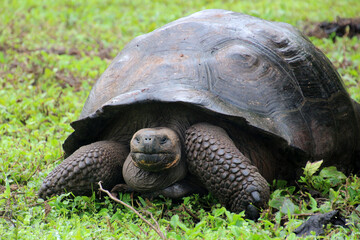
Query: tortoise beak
{"points": [[154, 162]]}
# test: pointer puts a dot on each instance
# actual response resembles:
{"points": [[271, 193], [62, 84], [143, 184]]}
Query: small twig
{"points": [[152, 217], [156, 229], [8, 219], [145, 233], [191, 213], [40, 203], [37, 169], [299, 215]]}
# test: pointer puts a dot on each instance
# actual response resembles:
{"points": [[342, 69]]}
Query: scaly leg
{"points": [[81, 171], [224, 170]]}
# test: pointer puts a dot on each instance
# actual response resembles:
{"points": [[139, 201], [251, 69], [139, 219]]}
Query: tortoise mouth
{"points": [[155, 162]]}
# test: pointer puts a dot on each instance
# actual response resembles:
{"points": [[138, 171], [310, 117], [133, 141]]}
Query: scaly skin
{"points": [[224, 170], [80, 172], [211, 156]]}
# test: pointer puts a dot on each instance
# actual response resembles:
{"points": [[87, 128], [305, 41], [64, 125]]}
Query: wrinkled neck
{"points": [[145, 181]]}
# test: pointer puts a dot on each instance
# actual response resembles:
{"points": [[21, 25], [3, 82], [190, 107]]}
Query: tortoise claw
{"points": [[256, 196], [252, 212]]}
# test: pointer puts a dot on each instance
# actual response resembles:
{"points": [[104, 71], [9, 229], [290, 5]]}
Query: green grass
{"points": [[51, 52]]}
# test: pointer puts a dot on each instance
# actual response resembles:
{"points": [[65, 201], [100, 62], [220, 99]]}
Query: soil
{"points": [[342, 27]]}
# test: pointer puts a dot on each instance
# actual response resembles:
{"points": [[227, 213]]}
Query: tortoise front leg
{"points": [[224, 170], [81, 171]]}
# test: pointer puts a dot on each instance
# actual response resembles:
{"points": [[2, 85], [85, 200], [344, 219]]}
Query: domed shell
{"points": [[233, 64]]}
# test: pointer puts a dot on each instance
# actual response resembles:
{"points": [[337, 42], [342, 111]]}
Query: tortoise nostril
{"points": [[147, 139]]}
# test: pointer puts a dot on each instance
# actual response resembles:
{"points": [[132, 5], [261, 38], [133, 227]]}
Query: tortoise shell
{"points": [[266, 73]]}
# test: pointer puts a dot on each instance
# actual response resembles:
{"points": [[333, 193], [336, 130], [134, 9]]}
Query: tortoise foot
{"points": [[81, 171], [224, 170]]}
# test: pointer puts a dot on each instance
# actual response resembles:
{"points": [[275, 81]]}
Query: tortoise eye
{"points": [[137, 139], [163, 140]]}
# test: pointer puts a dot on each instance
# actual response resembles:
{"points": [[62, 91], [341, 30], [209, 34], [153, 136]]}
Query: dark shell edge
{"points": [[87, 128]]}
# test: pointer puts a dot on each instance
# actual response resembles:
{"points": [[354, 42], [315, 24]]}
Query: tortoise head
{"points": [[155, 149]]}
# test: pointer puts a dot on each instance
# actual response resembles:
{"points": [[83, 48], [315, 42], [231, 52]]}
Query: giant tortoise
{"points": [[217, 101]]}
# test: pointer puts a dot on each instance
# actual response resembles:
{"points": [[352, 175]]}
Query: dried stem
{"points": [[191, 213], [156, 229], [299, 215], [40, 203]]}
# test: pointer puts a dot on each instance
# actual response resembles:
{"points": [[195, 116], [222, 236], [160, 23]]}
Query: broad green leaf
{"points": [[332, 172], [175, 222], [311, 168], [288, 207]]}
